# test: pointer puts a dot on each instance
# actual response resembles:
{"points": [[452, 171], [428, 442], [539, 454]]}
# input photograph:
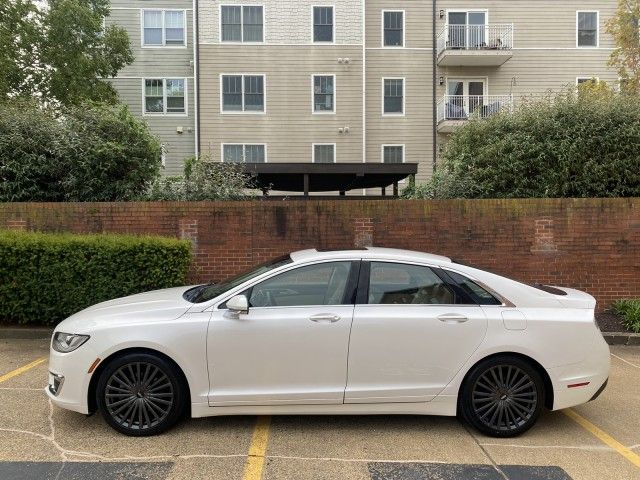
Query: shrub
{"points": [[629, 310], [203, 180], [46, 277], [572, 145], [91, 153]]}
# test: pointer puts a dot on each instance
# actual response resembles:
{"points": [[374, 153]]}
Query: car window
{"points": [[319, 284], [397, 283], [480, 295]]}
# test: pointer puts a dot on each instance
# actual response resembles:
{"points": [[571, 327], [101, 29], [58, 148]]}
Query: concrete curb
{"points": [[621, 338], [26, 333]]}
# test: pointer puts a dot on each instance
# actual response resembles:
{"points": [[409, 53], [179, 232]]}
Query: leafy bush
{"points": [[572, 145], [629, 310], [203, 180], [90, 153], [46, 277]]}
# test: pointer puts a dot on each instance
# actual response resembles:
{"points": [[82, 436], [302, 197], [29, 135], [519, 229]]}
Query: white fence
{"points": [[463, 107], [476, 37]]}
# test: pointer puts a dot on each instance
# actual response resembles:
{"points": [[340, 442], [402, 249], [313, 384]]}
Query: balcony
{"points": [[475, 45], [454, 110]]}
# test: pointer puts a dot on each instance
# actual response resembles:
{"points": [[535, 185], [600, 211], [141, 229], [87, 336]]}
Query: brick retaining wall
{"points": [[590, 244]]}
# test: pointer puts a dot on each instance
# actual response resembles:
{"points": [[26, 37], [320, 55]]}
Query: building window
{"points": [[393, 154], [241, 23], [243, 93], [164, 95], [324, 153], [393, 29], [324, 93], [323, 24], [587, 29], [393, 103], [163, 28], [239, 153], [581, 80]]}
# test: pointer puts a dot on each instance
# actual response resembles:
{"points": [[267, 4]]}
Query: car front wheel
{"points": [[140, 394], [502, 396]]}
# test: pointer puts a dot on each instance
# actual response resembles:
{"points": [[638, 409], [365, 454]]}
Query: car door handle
{"points": [[452, 318], [324, 318]]}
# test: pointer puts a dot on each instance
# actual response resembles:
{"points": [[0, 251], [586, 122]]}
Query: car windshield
{"points": [[204, 293]]}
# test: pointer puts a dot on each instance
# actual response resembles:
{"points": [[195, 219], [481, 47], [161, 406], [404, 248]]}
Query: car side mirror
{"points": [[238, 304]]}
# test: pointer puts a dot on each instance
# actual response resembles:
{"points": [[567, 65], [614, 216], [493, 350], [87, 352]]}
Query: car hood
{"points": [[157, 305]]}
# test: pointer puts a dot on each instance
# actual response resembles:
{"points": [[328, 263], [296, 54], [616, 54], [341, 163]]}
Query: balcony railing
{"points": [[463, 107], [476, 37]]}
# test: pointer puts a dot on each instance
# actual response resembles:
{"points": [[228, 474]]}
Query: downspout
{"points": [[364, 85], [196, 71], [434, 113]]}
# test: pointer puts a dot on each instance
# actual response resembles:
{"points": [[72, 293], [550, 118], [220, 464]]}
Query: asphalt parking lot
{"points": [[600, 440]]}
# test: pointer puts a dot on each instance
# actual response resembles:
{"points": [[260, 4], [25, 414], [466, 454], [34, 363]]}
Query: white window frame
{"points": [[597, 12], [333, 27], [404, 97], [404, 150], [241, 42], [404, 28], [164, 113], [244, 145], [164, 27], [243, 111], [335, 94], [320, 144]]}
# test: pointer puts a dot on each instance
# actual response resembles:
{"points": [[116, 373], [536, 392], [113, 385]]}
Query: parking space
{"points": [[600, 440]]}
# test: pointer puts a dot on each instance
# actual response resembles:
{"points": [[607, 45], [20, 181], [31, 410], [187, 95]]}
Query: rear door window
{"points": [[405, 284], [477, 293]]}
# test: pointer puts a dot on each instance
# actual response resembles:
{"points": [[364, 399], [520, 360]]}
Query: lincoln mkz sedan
{"points": [[371, 331]]}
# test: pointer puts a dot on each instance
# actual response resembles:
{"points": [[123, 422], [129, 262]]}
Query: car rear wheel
{"points": [[140, 394], [502, 396]]}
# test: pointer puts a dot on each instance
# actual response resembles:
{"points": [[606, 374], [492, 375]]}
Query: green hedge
{"points": [[44, 278]]}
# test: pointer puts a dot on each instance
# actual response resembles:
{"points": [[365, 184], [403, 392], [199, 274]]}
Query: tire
{"points": [[502, 396], [141, 394]]}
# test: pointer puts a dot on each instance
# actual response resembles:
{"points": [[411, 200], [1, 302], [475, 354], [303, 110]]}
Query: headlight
{"points": [[67, 342]]}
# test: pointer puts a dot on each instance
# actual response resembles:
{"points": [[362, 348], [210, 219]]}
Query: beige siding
{"points": [[158, 62], [178, 146], [417, 22], [289, 128], [414, 130], [538, 24]]}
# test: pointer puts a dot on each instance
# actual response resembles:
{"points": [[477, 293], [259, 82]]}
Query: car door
{"points": [[291, 347], [411, 334]]}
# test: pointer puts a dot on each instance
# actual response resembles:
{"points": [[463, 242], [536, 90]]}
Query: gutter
{"points": [[434, 113], [196, 72]]}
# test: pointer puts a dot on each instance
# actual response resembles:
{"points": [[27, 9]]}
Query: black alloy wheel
{"points": [[140, 394], [502, 397]]}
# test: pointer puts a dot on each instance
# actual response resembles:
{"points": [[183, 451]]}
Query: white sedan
{"points": [[371, 331]]}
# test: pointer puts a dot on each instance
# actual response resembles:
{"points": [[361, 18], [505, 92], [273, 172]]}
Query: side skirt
{"points": [[441, 405]]}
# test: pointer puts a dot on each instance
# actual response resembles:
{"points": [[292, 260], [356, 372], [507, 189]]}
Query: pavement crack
{"points": [[487, 454]]}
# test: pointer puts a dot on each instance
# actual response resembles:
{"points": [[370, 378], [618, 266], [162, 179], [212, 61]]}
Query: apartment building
{"points": [[347, 81], [159, 86]]}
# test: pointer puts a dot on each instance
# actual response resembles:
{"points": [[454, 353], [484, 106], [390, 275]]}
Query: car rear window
{"points": [[548, 289]]}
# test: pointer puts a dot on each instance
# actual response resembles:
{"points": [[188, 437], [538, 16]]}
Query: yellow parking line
{"points": [[603, 437], [258, 449], [21, 370]]}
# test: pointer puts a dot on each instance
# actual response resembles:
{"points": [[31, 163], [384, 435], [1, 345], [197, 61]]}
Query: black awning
{"points": [[328, 177]]}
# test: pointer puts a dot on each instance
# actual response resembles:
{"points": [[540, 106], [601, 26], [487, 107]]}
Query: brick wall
{"points": [[590, 244]]}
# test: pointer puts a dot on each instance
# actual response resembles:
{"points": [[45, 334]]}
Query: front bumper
{"points": [[69, 378]]}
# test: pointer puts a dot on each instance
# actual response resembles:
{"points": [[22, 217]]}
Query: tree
{"points": [[624, 26], [570, 145], [92, 152], [61, 52]]}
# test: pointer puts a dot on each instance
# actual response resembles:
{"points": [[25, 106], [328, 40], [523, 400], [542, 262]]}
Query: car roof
{"points": [[368, 252]]}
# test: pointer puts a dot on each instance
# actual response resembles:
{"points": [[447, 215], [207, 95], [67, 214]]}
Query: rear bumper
{"points": [[584, 381]]}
